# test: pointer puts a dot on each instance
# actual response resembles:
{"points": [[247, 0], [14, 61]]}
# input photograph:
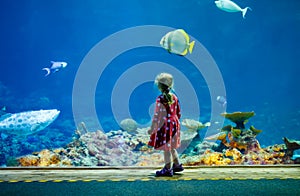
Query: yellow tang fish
{"points": [[177, 42]]}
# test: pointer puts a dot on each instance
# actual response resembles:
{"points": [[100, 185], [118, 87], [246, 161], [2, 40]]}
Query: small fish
{"points": [[222, 100], [55, 67], [177, 42], [230, 6]]}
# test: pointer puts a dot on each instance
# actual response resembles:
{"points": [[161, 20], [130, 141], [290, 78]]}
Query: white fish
{"points": [[177, 42], [230, 6], [222, 100], [55, 67], [26, 123]]}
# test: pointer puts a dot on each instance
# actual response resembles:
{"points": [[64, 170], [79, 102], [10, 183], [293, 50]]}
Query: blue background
{"points": [[257, 56]]}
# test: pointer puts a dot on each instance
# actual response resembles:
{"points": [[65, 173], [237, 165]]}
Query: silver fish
{"points": [[222, 100], [26, 123], [230, 6]]}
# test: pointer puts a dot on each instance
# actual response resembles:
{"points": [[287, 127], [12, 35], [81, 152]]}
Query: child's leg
{"points": [[166, 171], [175, 156], [167, 156], [177, 167]]}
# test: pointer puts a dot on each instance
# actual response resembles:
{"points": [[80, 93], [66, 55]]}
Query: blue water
{"points": [[258, 58]]}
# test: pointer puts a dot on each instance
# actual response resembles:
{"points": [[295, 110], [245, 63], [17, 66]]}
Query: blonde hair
{"points": [[164, 78], [164, 81]]}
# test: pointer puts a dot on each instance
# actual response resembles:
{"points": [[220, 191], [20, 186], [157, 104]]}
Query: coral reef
{"points": [[239, 145], [238, 137], [233, 156], [42, 159], [239, 118], [291, 146], [233, 146], [29, 160], [193, 124], [101, 149], [208, 158], [128, 125], [81, 129], [219, 136], [152, 159], [12, 146], [96, 149], [191, 135]]}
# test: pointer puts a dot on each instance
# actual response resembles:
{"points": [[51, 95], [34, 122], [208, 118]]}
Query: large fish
{"points": [[177, 42], [26, 123]]}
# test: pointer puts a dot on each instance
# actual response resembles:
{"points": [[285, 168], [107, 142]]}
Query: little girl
{"points": [[165, 128]]}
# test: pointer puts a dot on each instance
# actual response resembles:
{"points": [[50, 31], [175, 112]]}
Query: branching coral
{"points": [[238, 137]]}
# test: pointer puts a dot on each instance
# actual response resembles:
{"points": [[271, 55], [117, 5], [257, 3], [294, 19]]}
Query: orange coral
{"points": [[66, 162], [42, 159], [219, 136], [154, 159], [277, 148], [47, 158], [214, 158], [29, 160], [235, 144], [279, 155], [235, 154]]}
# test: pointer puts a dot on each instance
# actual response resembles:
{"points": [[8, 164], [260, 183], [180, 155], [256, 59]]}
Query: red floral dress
{"points": [[165, 125]]}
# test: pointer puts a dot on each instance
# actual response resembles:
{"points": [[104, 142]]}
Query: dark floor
{"points": [[167, 187]]}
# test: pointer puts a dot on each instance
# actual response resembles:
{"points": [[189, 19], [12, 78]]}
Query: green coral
{"points": [[254, 130], [239, 118]]}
